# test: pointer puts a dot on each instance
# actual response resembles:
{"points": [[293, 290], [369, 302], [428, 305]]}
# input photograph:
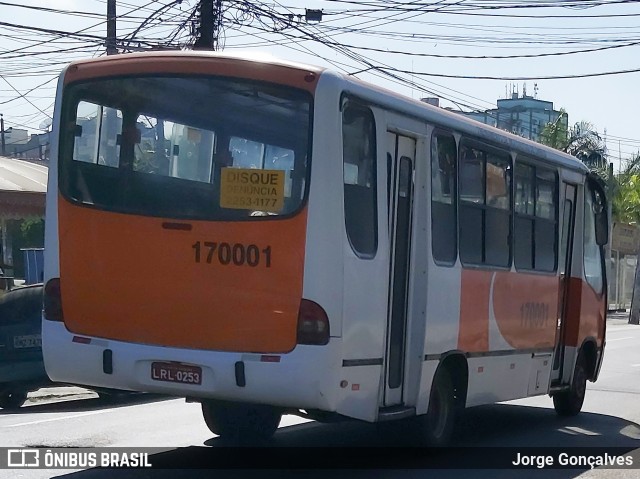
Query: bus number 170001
{"points": [[237, 254]]}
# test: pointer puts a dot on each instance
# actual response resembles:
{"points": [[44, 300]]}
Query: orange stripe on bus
{"points": [[585, 314], [524, 308], [473, 335], [167, 64], [573, 307], [126, 277]]}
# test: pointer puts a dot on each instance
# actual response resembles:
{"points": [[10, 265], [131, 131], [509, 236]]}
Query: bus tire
{"points": [[569, 403], [438, 423], [12, 399], [241, 422]]}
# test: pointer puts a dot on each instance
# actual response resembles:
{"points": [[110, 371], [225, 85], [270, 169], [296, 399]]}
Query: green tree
{"points": [[26, 233], [555, 134], [626, 196], [585, 143], [581, 140], [32, 232]]}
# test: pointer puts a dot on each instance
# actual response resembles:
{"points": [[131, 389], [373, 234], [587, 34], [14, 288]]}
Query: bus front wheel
{"points": [[569, 403], [438, 424], [241, 422]]}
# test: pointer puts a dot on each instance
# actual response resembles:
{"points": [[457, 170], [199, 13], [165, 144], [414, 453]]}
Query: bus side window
{"points": [[524, 216], [443, 207], [546, 224], [151, 152], [471, 197], [485, 206], [96, 131], [535, 218], [497, 223], [593, 257], [191, 152], [359, 170]]}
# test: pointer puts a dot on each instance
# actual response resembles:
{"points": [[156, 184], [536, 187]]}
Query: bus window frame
{"points": [[535, 165], [591, 185], [488, 149], [68, 112], [443, 132], [347, 101]]}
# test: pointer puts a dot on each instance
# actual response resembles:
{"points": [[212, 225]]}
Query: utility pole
{"points": [[210, 25], [111, 28], [4, 146], [634, 314], [110, 116], [610, 192], [217, 24]]}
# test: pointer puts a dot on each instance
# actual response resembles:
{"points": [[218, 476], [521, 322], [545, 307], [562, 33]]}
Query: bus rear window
{"points": [[185, 147]]}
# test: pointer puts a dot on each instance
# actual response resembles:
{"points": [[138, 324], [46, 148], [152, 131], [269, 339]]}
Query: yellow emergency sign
{"points": [[252, 189]]}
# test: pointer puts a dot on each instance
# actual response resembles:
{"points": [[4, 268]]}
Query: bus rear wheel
{"points": [[569, 403], [437, 426], [241, 422]]}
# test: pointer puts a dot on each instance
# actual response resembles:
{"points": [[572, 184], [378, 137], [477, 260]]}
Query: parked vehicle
{"points": [[21, 364]]}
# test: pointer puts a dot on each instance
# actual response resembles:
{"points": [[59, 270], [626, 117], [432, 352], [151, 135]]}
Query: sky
{"points": [[563, 51]]}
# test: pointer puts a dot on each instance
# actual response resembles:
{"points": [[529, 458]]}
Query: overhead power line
{"points": [[24, 97], [83, 36], [505, 78], [481, 57]]}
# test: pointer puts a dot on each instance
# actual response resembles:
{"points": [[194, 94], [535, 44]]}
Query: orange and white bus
{"points": [[267, 237]]}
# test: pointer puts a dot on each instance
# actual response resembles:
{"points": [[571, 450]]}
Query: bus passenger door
{"points": [[401, 155], [564, 268]]}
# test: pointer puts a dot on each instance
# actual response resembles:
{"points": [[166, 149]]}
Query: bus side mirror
{"points": [[602, 228], [600, 211]]}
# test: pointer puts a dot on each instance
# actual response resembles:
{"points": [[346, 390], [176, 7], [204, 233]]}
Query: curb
{"points": [[58, 393]]}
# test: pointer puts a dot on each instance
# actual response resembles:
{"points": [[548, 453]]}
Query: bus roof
{"points": [[457, 122], [384, 97], [249, 56]]}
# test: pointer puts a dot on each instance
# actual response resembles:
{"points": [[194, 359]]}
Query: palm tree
{"points": [[586, 144], [555, 133], [581, 140], [626, 208], [626, 197]]}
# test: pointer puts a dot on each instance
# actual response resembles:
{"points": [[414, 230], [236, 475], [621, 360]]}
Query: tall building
{"points": [[522, 115], [14, 140]]}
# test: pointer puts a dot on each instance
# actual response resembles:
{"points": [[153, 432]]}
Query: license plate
{"points": [[176, 373], [27, 341]]}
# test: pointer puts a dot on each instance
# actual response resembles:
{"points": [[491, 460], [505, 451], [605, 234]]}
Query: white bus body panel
{"points": [[286, 383], [51, 238], [323, 280], [352, 291], [498, 378]]}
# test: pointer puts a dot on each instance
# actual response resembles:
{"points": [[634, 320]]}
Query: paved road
{"points": [[610, 417]]}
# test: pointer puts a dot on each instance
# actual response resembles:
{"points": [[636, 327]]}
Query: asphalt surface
{"points": [[73, 417]]}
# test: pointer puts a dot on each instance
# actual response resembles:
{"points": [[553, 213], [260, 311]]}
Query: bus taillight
{"points": [[313, 324], [53, 300]]}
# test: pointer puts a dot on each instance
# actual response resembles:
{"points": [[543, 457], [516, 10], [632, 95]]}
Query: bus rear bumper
{"points": [[303, 378]]}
